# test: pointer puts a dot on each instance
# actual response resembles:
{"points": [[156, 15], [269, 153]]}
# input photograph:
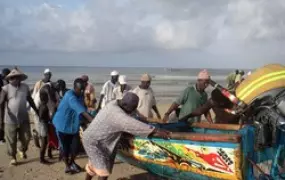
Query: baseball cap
{"points": [[114, 73], [47, 71], [123, 79]]}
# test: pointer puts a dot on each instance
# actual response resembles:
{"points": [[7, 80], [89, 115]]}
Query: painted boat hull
{"points": [[186, 158]]}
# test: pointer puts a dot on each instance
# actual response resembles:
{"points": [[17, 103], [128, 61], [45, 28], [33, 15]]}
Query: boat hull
{"points": [[184, 159]]}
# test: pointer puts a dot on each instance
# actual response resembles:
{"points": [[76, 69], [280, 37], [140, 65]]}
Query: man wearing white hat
{"points": [[36, 98], [15, 96], [107, 90], [147, 101], [121, 90]]}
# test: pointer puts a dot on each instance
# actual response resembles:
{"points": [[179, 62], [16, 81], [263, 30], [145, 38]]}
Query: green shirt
{"points": [[191, 99], [231, 81]]}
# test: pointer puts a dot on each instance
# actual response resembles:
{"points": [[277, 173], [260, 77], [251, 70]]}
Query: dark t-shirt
{"points": [[44, 113], [223, 117]]}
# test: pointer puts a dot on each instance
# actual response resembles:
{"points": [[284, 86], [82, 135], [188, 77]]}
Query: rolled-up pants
{"points": [[13, 132]]}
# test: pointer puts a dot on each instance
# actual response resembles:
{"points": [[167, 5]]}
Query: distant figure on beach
{"points": [[107, 90], [147, 101], [4, 82], [15, 96], [218, 102], [36, 98], [231, 80], [192, 98], [101, 137], [121, 90], [89, 95], [67, 119], [42, 82], [239, 77]]}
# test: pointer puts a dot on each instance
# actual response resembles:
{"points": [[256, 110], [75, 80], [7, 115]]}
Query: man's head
{"points": [[241, 73], [236, 71], [79, 86], [5, 72], [47, 75], [61, 85], [129, 102], [114, 77], [145, 81], [85, 78], [203, 80]]}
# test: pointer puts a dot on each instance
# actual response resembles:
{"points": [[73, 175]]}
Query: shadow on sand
{"points": [[146, 176]]}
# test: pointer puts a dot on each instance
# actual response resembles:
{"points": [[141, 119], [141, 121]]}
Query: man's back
{"points": [[231, 81]]}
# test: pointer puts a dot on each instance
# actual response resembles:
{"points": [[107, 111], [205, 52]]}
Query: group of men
{"points": [[235, 78], [120, 109]]}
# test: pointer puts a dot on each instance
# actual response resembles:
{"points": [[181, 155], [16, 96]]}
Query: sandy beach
{"points": [[31, 169]]}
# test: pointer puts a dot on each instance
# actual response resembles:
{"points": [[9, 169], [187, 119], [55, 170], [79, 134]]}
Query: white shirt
{"points": [[107, 91], [146, 102], [118, 94]]}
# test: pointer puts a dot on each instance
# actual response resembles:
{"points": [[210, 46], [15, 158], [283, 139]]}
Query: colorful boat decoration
{"points": [[202, 151], [189, 157]]}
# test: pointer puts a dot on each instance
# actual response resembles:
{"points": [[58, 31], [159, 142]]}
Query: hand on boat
{"points": [[162, 133]]}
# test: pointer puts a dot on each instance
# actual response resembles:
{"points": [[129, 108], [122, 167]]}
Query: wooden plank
{"points": [[233, 127], [233, 138]]}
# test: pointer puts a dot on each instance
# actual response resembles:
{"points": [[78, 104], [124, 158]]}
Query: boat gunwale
{"points": [[229, 127], [232, 138]]}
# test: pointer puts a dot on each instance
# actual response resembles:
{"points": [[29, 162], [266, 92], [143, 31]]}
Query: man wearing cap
{"points": [[89, 94], [5, 72], [121, 90], [41, 83], [15, 96], [101, 137], [147, 101], [107, 90], [192, 98]]}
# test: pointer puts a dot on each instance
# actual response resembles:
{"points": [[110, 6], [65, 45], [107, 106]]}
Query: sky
{"points": [[160, 33]]}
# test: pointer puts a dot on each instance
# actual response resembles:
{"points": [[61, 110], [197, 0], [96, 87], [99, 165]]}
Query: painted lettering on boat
{"points": [[225, 157]]}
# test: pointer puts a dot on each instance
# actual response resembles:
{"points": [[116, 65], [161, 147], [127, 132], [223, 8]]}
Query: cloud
{"points": [[220, 27]]}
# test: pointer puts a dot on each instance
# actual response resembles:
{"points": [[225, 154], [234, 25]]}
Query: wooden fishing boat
{"points": [[205, 151]]}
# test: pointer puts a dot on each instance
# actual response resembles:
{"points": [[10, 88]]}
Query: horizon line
{"points": [[85, 66]]}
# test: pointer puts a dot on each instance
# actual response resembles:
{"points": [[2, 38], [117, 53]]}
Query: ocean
{"points": [[167, 83]]}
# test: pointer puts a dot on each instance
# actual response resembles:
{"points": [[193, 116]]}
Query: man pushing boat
{"points": [[101, 137], [191, 98]]}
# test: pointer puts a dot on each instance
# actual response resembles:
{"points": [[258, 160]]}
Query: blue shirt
{"points": [[67, 116]]}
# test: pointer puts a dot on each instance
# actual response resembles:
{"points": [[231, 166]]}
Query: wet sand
{"points": [[31, 169]]}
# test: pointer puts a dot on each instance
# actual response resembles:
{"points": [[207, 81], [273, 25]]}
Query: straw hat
{"points": [[16, 73]]}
